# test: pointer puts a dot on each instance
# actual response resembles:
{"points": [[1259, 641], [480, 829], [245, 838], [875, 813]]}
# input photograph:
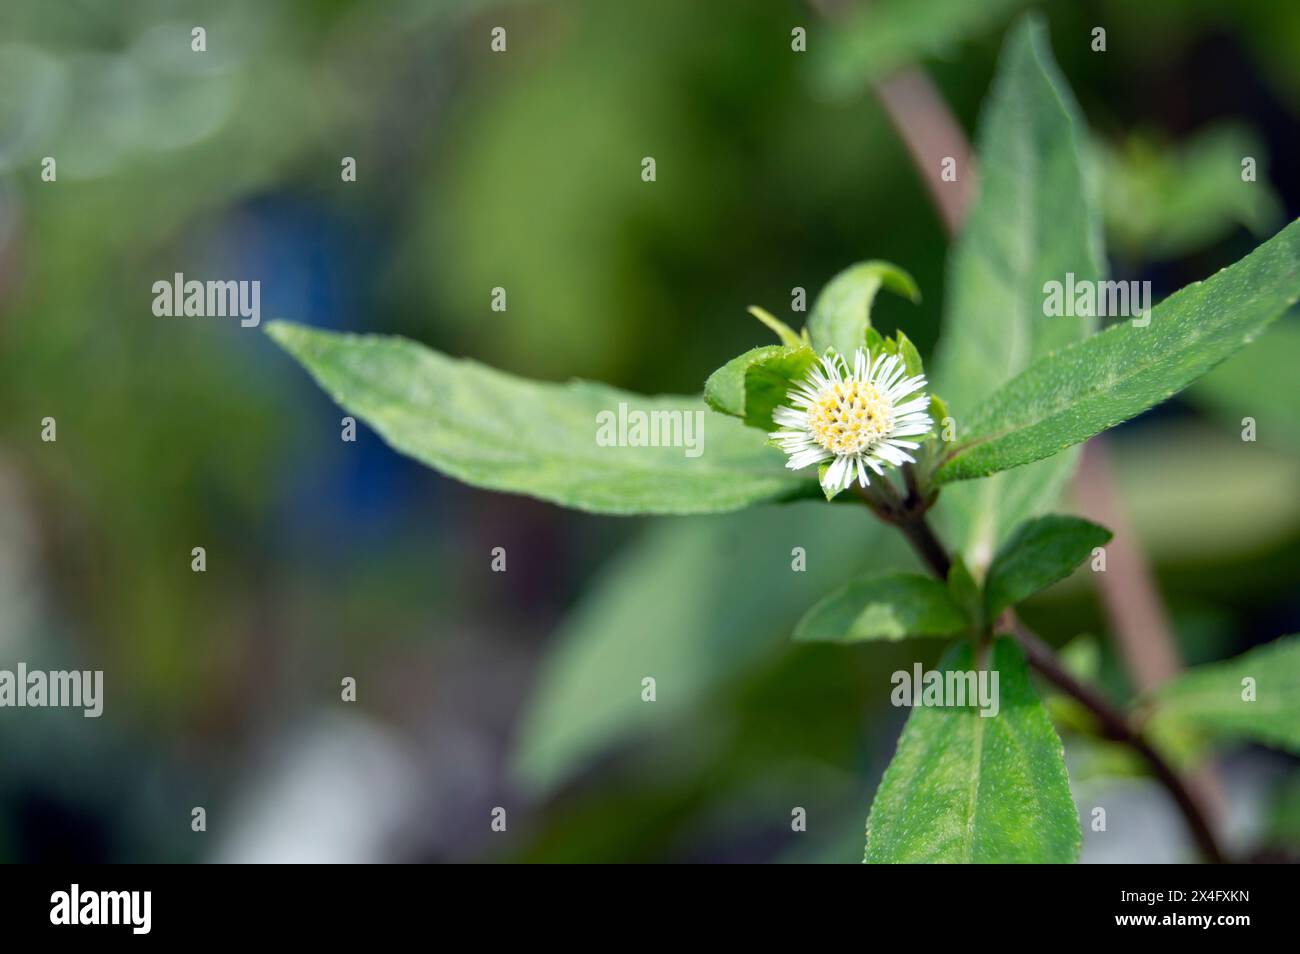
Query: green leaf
{"points": [[752, 385], [724, 391], [492, 430], [877, 38], [698, 605], [963, 787], [907, 351], [830, 493], [1035, 219], [1212, 699], [768, 383], [965, 591], [789, 337], [939, 412], [899, 345], [875, 341], [935, 446], [1088, 387], [1040, 552], [882, 606], [841, 314]]}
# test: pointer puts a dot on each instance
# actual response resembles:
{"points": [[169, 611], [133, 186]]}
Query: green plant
{"points": [[987, 452]]}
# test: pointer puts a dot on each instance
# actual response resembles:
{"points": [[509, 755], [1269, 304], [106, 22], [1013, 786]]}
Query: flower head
{"points": [[854, 416]]}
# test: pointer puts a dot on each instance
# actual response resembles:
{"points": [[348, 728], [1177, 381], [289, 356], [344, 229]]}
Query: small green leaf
{"points": [[875, 341], [934, 446], [882, 606], [830, 493], [967, 788], [768, 383], [899, 346], [841, 314], [752, 385], [724, 391], [938, 411], [1040, 552], [1097, 383], [1255, 696], [500, 432], [911, 357], [788, 336], [965, 592]]}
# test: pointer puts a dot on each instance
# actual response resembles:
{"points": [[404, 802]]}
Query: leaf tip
{"points": [[783, 331], [284, 333]]}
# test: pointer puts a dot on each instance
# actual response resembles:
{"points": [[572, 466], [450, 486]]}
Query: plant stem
{"points": [[908, 514], [1116, 728], [918, 532]]}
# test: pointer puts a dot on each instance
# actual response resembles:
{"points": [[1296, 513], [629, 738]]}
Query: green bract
{"points": [[751, 385], [754, 384]]}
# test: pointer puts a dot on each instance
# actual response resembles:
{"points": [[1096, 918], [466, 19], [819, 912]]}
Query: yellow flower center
{"points": [[849, 417]]}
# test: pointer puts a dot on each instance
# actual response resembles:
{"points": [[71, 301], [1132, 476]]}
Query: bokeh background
{"points": [[327, 559]]}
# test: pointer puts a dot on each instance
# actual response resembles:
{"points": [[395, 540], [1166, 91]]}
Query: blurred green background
{"points": [[477, 169]]}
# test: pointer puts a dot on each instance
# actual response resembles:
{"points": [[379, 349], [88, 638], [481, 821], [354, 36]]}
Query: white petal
{"points": [[892, 455], [905, 387], [910, 430], [807, 458], [849, 475], [912, 407], [840, 472], [892, 381], [860, 364], [830, 477]]}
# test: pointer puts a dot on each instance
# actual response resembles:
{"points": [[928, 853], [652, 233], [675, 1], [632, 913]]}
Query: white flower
{"points": [[854, 417]]}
